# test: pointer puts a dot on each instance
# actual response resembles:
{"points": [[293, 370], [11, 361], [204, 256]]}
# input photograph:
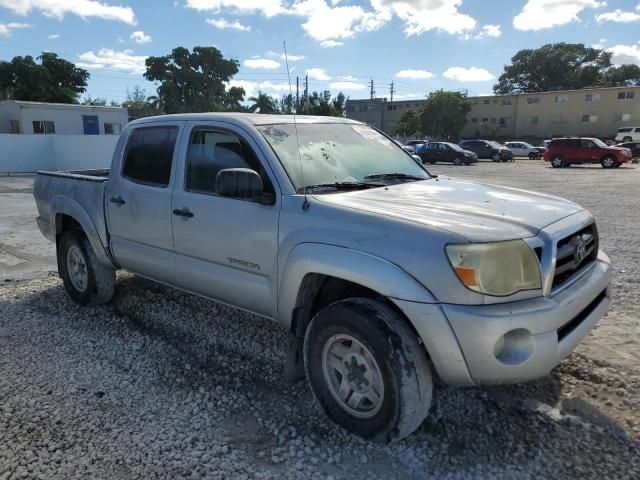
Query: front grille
{"points": [[575, 252]]}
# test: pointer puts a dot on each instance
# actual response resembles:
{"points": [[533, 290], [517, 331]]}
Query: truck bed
{"points": [[79, 194]]}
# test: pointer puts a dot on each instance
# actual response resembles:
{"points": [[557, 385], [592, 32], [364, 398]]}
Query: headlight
{"points": [[498, 269]]}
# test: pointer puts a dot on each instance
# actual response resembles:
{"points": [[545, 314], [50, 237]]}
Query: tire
{"points": [[557, 161], [457, 161], [87, 281], [532, 156], [495, 157], [382, 350], [608, 162], [627, 139]]}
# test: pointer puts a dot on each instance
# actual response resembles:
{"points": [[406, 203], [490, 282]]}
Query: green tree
{"points": [[323, 104], [52, 80], [193, 81], [628, 75], [444, 114], [555, 66], [286, 104], [263, 103], [137, 99], [96, 102], [409, 124]]}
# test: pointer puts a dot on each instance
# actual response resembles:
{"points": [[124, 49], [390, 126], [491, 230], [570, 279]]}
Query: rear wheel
{"points": [[87, 281], [557, 161], [608, 162], [367, 370]]}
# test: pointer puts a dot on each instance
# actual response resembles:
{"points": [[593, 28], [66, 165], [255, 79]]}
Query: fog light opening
{"points": [[514, 347]]}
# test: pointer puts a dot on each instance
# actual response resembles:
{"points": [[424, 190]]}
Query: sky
{"points": [[419, 45]]}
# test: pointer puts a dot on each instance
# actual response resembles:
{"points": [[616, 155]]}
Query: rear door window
{"points": [[149, 155]]}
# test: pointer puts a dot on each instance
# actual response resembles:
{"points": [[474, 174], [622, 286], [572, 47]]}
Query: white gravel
{"points": [[163, 384]]}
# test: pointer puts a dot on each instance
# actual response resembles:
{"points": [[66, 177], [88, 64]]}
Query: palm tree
{"points": [[263, 103]]}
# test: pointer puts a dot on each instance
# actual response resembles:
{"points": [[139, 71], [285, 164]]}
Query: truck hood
{"points": [[474, 211]]}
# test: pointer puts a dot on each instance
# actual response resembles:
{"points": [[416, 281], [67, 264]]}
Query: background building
{"points": [[60, 118], [597, 112]]}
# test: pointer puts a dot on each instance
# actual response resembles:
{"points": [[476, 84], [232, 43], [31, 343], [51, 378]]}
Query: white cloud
{"points": [[140, 37], [486, 31], [7, 28], [621, 54], [251, 88], [263, 63], [600, 44], [347, 86], [472, 74], [54, 36], [292, 58], [318, 74], [268, 8], [415, 74], [540, 14], [619, 16], [83, 8], [405, 96], [331, 43], [324, 22], [422, 16], [106, 58], [223, 24]]}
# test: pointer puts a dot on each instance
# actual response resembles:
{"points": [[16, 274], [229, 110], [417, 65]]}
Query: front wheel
{"points": [[533, 156], [457, 161], [557, 161], [87, 281], [608, 162], [495, 157], [367, 370], [626, 139]]}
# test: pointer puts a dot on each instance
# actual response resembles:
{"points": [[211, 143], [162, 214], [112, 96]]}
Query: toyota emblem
{"points": [[580, 250]]}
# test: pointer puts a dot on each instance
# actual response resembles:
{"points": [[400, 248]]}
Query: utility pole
{"points": [[305, 99], [391, 91], [297, 93], [372, 91]]}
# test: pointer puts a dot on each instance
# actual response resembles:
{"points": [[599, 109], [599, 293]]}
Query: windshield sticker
{"points": [[276, 135]]}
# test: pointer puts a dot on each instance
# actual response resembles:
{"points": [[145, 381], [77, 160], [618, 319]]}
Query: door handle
{"points": [[183, 212], [117, 199]]}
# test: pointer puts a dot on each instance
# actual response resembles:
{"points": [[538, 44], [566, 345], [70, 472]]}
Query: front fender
{"points": [[352, 265], [64, 205]]}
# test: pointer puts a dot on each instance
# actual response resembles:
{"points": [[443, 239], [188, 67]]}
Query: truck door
{"points": [[226, 248], [138, 200]]}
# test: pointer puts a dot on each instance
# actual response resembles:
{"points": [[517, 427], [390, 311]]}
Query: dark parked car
{"points": [[488, 149], [563, 152], [446, 152], [634, 147]]}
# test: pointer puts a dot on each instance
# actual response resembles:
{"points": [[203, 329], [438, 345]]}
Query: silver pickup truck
{"points": [[385, 276]]}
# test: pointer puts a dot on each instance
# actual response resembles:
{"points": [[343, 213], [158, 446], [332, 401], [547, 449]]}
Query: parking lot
{"points": [[164, 384]]}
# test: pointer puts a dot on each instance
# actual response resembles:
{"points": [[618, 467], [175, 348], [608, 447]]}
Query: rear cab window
{"points": [[148, 155]]}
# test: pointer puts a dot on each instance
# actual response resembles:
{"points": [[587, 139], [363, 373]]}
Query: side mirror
{"points": [[417, 159], [242, 183]]}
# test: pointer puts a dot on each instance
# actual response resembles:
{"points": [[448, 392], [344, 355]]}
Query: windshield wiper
{"points": [[394, 176], [341, 186]]}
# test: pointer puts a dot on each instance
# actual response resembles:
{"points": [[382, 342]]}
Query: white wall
{"points": [[29, 153]]}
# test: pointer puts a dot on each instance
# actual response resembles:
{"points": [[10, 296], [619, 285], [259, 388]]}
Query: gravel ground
{"points": [[163, 384]]}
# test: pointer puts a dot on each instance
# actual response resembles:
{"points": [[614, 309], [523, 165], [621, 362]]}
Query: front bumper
{"points": [[515, 341]]}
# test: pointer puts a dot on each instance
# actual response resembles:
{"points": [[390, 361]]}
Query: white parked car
{"points": [[523, 149], [628, 134]]}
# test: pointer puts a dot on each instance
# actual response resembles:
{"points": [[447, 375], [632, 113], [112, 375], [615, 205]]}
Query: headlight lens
{"points": [[498, 269]]}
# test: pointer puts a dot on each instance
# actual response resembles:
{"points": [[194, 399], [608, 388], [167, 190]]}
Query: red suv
{"points": [[563, 152]]}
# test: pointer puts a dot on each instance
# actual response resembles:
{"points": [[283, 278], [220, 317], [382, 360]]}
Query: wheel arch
{"points": [[310, 265], [67, 213]]}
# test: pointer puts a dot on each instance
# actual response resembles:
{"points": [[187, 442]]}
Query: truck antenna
{"points": [[305, 203]]}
